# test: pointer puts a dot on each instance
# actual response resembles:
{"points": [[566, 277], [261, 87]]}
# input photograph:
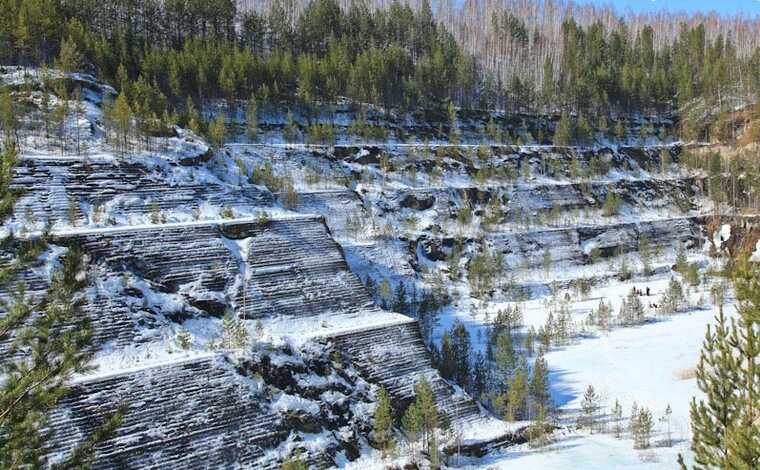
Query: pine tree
{"points": [[564, 132], [716, 376], [682, 261], [434, 453], [192, 117], [399, 304], [61, 111], [583, 131], [46, 109], [645, 253], [636, 308], [492, 131], [447, 365], [252, 118], [426, 406], [9, 116], [411, 423], [517, 395], [544, 337], [479, 376], [294, 463], [234, 334], [33, 386], [291, 129], [453, 126], [537, 432], [530, 338], [674, 298], [9, 158], [385, 292], [590, 407], [642, 426], [611, 206], [539, 384], [217, 131], [69, 58], [602, 316], [461, 339], [619, 130], [617, 417], [631, 310], [665, 419], [504, 357], [725, 425], [123, 118], [383, 421], [184, 339]]}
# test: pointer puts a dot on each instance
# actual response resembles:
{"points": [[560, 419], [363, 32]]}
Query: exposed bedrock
{"points": [[145, 276], [542, 160], [216, 412], [425, 125], [76, 191], [520, 199], [396, 358], [222, 412], [574, 244], [196, 414]]}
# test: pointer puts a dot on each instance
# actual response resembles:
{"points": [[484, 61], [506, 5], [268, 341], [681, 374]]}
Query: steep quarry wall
{"points": [[193, 414], [105, 190], [180, 236], [222, 411], [143, 277], [434, 125], [396, 357]]}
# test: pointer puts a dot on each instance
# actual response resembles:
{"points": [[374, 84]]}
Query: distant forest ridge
{"points": [[517, 37], [517, 55], [474, 19]]}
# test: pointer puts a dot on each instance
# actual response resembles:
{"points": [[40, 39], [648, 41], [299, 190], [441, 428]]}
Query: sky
{"points": [[748, 7]]}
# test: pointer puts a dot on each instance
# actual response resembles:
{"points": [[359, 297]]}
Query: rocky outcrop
{"points": [[519, 200], [81, 192], [196, 414], [576, 244], [221, 411], [396, 358], [145, 277]]}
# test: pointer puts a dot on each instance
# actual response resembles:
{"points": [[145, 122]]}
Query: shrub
{"points": [[611, 205], [320, 134]]}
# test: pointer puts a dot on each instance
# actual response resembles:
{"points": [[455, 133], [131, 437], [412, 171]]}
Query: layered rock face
{"points": [[411, 205], [396, 357], [108, 191], [192, 414], [181, 240], [218, 408], [154, 275]]}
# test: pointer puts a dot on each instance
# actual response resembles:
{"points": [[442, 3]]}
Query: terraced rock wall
{"points": [[257, 269], [396, 357], [98, 191], [195, 414]]}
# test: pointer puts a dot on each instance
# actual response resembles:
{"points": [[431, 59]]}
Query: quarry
{"points": [[249, 300]]}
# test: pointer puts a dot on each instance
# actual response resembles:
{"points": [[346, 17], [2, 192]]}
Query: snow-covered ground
{"points": [[652, 365], [581, 450]]}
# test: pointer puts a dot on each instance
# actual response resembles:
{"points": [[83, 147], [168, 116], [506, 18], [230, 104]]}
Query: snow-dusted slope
{"points": [[561, 220], [177, 237]]}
